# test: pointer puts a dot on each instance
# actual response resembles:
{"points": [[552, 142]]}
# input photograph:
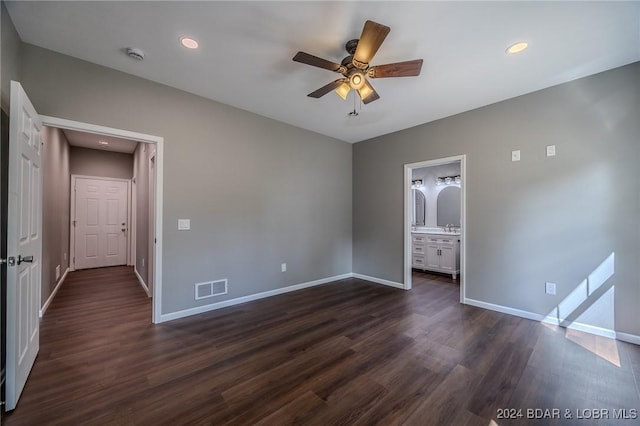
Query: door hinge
{"points": [[74, 223]]}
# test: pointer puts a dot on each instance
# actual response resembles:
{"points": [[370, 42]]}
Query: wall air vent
{"points": [[210, 289]]}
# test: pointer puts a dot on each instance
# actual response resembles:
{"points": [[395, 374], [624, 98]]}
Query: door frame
{"points": [[152, 228], [72, 217], [408, 170], [61, 123]]}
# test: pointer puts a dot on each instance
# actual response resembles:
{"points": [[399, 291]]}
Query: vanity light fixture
{"points": [[448, 180], [416, 183]]}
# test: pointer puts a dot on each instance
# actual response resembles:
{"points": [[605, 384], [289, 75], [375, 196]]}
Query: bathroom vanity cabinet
{"points": [[438, 252]]}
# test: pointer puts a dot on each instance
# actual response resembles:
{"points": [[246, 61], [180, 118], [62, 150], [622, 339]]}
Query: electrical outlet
{"points": [[515, 155], [551, 150], [550, 288], [284, 267], [143, 262]]}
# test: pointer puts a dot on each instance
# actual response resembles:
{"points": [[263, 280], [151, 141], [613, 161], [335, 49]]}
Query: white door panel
{"points": [[23, 241], [100, 222]]}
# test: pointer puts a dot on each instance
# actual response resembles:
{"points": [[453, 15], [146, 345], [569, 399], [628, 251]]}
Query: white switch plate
{"points": [[551, 151], [284, 267], [550, 288], [515, 155], [184, 224]]}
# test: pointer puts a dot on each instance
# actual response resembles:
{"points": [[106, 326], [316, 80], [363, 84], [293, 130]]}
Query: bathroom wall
{"points": [[431, 190]]}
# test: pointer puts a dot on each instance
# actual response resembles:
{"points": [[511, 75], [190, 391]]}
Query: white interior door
{"points": [[100, 222], [24, 243]]}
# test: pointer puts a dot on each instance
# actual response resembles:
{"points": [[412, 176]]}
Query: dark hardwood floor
{"points": [[349, 352]]}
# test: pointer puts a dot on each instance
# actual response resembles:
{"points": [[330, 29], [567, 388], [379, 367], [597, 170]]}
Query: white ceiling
{"points": [[246, 48], [92, 141]]}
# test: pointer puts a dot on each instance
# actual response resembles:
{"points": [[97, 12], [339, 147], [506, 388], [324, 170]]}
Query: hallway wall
{"points": [[56, 191], [94, 162]]}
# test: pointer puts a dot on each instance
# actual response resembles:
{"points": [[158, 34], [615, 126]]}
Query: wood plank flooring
{"points": [[349, 352]]}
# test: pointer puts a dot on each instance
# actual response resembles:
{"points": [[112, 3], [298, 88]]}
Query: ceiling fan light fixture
{"points": [[343, 90], [356, 80], [365, 91], [517, 47]]}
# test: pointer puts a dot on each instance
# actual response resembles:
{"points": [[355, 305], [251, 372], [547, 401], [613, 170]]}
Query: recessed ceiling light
{"points": [[103, 142], [517, 47], [189, 43]]}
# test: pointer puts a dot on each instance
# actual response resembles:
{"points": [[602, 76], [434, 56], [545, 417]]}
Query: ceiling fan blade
{"points": [[398, 69], [308, 59], [373, 34], [326, 89], [367, 93]]}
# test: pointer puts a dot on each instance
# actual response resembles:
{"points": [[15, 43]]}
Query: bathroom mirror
{"points": [[449, 206], [419, 208]]}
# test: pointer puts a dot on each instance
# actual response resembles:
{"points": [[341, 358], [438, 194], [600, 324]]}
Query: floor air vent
{"points": [[210, 289]]}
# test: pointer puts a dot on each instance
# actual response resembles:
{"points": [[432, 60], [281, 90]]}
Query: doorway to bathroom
{"points": [[435, 219]]}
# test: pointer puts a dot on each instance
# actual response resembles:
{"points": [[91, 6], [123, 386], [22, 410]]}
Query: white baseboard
{"points": [[504, 309], [629, 338], [249, 298], [379, 281], [53, 293], [141, 281], [587, 328]]}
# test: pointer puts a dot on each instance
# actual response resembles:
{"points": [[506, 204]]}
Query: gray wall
{"points": [[541, 219], [258, 192], [10, 52], [93, 162], [56, 190], [141, 186]]}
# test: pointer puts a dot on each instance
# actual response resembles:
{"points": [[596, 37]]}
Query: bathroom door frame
{"points": [[408, 171]]}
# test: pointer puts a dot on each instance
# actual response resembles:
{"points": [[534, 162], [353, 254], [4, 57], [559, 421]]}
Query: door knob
{"points": [[26, 259]]}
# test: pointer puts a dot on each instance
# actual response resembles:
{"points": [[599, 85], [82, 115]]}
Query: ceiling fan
{"points": [[355, 67]]}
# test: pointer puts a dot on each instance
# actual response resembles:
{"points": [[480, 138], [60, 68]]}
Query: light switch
{"points": [[551, 150], [515, 155], [184, 224]]}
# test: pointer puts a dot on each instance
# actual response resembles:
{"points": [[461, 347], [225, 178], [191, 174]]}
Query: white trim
{"points": [[379, 281], [141, 281], [587, 328], [151, 231], [504, 309], [44, 308], [132, 222], [238, 300], [629, 338], [62, 123], [599, 331], [408, 169], [72, 216]]}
